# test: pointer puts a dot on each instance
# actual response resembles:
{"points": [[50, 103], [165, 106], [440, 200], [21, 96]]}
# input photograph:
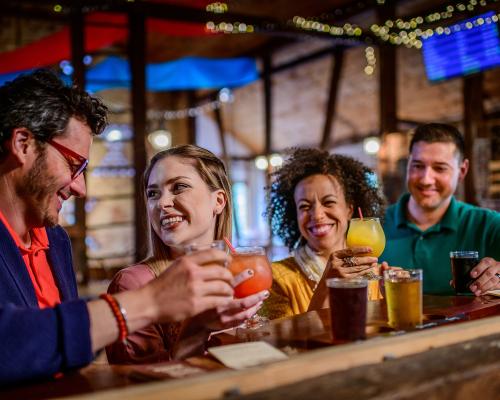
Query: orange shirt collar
{"points": [[39, 239]]}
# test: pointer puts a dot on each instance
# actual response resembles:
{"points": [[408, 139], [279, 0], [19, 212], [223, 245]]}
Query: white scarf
{"points": [[311, 265]]}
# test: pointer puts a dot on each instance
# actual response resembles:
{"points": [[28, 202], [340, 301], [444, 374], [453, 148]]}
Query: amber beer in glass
{"points": [[403, 293], [253, 258], [366, 232], [348, 302], [462, 263]]}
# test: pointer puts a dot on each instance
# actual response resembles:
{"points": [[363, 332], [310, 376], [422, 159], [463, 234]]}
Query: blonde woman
{"points": [[188, 199]]}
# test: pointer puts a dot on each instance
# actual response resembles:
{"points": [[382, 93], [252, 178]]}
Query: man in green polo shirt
{"points": [[428, 222]]}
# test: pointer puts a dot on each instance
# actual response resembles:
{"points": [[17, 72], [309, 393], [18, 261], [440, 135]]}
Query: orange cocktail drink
{"points": [[366, 232], [253, 258]]}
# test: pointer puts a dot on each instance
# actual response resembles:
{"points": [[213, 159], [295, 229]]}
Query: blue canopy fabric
{"points": [[184, 74]]}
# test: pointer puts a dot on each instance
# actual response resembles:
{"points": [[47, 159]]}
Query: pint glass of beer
{"points": [[462, 263], [348, 298], [403, 293]]}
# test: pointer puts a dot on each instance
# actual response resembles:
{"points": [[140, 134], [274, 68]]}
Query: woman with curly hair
{"points": [[310, 203]]}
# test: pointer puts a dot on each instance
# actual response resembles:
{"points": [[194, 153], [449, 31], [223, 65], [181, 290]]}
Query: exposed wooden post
{"points": [[227, 162], [77, 39], [268, 111], [191, 120], [337, 62], [220, 125], [387, 75], [266, 76], [473, 118], [137, 59]]}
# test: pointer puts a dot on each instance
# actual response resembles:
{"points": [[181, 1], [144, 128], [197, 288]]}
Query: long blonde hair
{"points": [[213, 172]]}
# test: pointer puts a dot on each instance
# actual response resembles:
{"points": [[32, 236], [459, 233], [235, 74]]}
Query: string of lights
{"points": [[394, 31], [217, 7], [371, 61]]}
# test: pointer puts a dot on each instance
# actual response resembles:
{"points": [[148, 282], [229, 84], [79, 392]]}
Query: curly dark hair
{"points": [[42, 103], [357, 181]]}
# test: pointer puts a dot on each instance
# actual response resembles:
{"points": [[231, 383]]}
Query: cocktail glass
{"points": [[253, 258], [366, 232]]}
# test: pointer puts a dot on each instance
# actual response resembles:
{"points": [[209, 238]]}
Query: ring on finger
{"points": [[498, 275], [349, 261]]}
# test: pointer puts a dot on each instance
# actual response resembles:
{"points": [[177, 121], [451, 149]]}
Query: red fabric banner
{"points": [[56, 47]]}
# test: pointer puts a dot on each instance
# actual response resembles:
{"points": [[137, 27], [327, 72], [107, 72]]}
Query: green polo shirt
{"points": [[463, 227]]}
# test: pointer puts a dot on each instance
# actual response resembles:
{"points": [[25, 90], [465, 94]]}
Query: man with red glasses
{"points": [[46, 129]]}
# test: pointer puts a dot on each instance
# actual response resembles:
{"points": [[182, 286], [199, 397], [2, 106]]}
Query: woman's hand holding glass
{"points": [[351, 263], [245, 303], [237, 311]]}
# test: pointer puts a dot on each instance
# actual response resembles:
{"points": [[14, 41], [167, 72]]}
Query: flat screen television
{"points": [[467, 47]]}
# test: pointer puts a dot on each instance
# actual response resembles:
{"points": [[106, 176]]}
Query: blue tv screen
{"points": [[464, 48]]}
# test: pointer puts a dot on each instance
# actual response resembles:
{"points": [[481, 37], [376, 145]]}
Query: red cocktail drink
{"points": [[253, 258]]}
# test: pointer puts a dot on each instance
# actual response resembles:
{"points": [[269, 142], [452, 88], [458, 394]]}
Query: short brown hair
{"points": [[434, 132], [42, 103]]}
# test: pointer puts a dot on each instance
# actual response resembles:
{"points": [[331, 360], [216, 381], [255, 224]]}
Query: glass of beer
{"points": [[462, 263], [366, 232], [403, 293], [348, 302]]}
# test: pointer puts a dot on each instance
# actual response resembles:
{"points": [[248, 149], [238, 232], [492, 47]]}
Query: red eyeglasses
{"points": [[76, 162]]}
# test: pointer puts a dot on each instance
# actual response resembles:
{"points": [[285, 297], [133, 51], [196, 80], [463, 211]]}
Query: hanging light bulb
{"points": [[160, 139], [114, 135], [226, 95], [371, 145], [276, 160], [261, 162]]}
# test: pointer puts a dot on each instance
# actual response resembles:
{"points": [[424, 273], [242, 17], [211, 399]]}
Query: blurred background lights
{"points": [[87, 60], [114, 135], [160, 139], [371, 145], [261, 162], [276, 160], [226, 95]]}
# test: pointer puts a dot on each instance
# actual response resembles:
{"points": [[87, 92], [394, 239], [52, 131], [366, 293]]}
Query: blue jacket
{"points": [[37, 343]]}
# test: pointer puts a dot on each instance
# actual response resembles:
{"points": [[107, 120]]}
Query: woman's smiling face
{"points": [[181, 207], [322, 212]]}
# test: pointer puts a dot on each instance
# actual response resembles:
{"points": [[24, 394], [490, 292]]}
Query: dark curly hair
{"points": [[42, 103], [357, 181]]}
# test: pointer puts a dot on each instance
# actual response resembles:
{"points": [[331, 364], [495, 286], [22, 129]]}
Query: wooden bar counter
{"points": [[457, 356]]}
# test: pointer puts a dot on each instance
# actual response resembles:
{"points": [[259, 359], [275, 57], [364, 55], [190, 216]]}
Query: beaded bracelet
{"points": [[120, 315]]}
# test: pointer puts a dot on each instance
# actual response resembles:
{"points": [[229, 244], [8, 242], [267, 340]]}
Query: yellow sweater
{"points": [[292, 291]]}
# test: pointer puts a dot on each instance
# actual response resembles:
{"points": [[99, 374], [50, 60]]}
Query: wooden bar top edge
{"points": [[302, 366]]}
